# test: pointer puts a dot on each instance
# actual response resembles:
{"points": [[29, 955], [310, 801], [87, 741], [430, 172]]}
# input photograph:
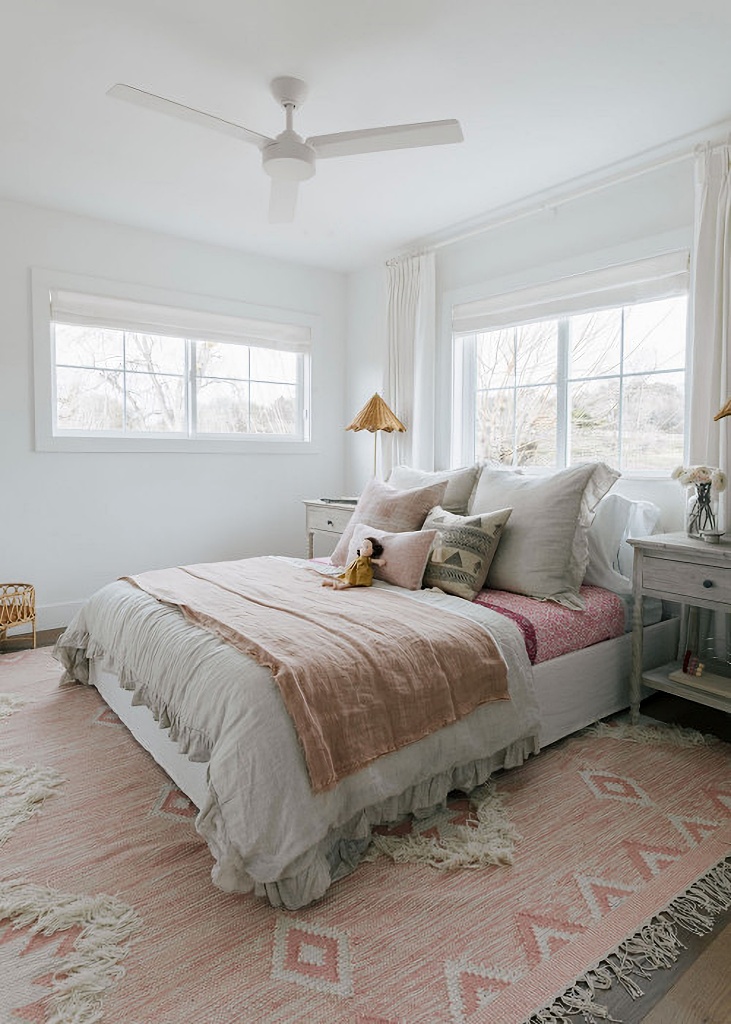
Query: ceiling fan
{"points": [[288, 158]]}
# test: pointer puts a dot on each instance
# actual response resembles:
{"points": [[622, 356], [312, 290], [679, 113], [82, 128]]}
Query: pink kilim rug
{"points": [[107, 910]]}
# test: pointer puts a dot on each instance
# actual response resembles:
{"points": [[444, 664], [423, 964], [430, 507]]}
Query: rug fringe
{"points": [[22, 791], [656, 945], [87, 972], [665, 735], [490, 841], [10, 702]]}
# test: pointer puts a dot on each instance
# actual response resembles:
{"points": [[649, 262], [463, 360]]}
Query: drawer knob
{"points": [[707, 584], [330, 522]]}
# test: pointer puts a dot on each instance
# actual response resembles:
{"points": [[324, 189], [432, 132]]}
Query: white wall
{"points": [[641, 217], [70, 523]]}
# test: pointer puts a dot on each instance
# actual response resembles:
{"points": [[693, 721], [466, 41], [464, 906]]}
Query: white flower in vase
{"points": [[704, 484]]}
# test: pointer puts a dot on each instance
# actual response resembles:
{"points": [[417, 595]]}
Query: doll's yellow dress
{"points": [[359, 573]]}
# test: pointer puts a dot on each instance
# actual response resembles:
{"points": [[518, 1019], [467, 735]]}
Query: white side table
{"points": [[325, 517], [678, 568]]}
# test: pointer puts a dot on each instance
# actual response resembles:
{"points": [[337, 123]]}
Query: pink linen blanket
{"points": [[362, 672]]}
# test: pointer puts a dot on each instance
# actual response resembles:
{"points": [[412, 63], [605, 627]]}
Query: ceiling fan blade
{"points": [[158, 103], [282, 200], [376, 140]]}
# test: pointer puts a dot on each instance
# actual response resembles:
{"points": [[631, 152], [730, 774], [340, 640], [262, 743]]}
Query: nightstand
{"points": [[325, 517], [688, 571]]}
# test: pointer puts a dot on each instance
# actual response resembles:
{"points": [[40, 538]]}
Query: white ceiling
{"points": [[545, 90]]}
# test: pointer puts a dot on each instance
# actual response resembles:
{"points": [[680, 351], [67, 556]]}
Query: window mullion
{"points": [[563, 410], [191, 358], [620, 397]]}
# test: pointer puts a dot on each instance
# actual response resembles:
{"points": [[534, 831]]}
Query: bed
{"points": [[212, 716]]}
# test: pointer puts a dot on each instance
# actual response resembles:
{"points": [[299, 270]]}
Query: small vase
{"points": [[701, 509]]}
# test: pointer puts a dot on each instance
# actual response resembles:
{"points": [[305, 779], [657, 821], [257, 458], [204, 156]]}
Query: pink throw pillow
{"points": [[406, 554], [386, 508]]}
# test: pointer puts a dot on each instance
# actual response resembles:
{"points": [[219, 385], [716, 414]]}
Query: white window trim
{"points": [[43, 282], [486, 300]]}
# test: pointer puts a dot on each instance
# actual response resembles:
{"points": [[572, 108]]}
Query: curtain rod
{"points": [[560, 195]]}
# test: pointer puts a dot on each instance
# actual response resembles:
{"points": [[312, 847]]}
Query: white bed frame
{"points": [[573, 691]]}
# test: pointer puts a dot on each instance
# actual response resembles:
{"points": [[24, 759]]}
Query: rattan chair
{"points": [[17, 606]]}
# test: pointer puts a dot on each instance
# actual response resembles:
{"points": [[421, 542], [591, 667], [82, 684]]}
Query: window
{"points": [[141, 375], [605, 383]]}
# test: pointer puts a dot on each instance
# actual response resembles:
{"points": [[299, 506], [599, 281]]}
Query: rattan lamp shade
{"points": [[374, 416]]}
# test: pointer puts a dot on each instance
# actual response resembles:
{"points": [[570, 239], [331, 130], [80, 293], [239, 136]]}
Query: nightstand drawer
{"points": [[687, 579], [328, 520]]}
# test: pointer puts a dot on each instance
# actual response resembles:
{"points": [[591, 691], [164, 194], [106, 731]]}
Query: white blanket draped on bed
{"points": [[265, 827]]}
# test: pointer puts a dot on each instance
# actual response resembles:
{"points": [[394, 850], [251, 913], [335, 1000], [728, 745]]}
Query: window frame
{"points": [[43, 282], [505, 313]]}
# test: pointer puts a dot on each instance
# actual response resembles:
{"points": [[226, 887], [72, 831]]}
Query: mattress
{"points": [[550, 630]]}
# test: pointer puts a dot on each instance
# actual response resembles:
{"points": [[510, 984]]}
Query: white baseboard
{"points": [[50, 616]]}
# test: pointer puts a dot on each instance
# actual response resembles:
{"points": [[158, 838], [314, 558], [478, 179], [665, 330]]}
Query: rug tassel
{"points": [[10, 702], [23, 790], [656, 945], [490, 841], [94, 964]]}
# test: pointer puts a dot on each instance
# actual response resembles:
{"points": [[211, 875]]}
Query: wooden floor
{"points": [[698, 989]]}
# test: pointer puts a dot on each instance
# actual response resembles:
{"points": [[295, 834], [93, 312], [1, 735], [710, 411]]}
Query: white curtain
{"points": [[710, 317], [409, 384]]}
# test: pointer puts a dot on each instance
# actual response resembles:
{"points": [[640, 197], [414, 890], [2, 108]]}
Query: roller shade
{"points": [[69, 307], [658, 277]]}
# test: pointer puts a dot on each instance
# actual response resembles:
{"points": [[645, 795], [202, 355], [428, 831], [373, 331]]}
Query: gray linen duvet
{"points": [[265, 827]]}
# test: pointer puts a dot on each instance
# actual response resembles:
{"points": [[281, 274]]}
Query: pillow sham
{"points": [[543, 551], [386, 508], [610, 556], [460, 484], [464, 548], [406, 554]]}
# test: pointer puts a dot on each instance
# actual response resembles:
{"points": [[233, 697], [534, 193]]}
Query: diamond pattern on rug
{"points": [[173, 803], [695, 830], [720, 797], [651, 861], [107, 717], [472, 987], [313, 956], [608, 786], [541, 935], [603, 895]]}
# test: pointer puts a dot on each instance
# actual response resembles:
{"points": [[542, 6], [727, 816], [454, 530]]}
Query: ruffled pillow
{"points": [[543, 552]]}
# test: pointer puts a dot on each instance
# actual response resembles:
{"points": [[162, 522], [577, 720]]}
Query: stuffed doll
{"points": [[360, 571]]}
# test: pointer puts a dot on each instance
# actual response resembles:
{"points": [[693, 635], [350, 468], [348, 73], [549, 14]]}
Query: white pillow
{"points": [[616, 520], [460, 483], [543, 551]]}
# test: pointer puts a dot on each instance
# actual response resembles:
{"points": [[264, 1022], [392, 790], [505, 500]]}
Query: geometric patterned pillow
{"points": [[463, 550]]}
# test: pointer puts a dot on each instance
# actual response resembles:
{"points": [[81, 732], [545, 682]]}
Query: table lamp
{"points": [[374, 416]]}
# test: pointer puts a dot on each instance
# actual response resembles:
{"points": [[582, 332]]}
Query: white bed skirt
{"points": [[573, 691]]}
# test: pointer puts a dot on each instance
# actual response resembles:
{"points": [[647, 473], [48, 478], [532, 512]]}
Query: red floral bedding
{"points": [[550, 630]]}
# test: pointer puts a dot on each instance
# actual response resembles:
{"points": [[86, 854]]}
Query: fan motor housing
{"points": [[288, 158]]}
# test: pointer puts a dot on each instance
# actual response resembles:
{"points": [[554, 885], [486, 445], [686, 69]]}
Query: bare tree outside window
{"points": [[124, 382], [607, 384]]}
